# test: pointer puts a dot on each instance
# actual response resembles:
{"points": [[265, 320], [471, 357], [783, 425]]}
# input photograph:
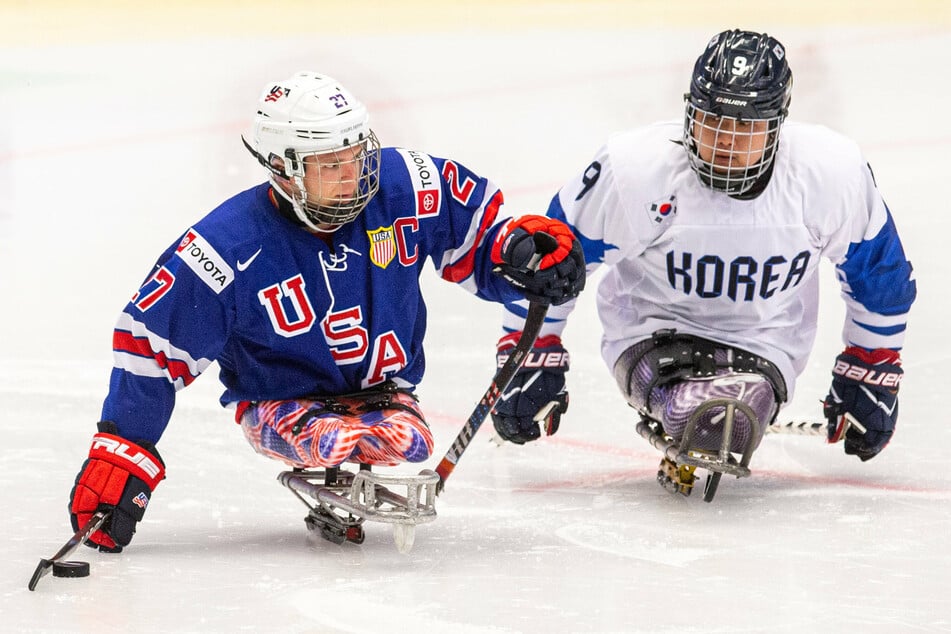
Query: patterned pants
{"points": [[311, 433], [672, 403]]}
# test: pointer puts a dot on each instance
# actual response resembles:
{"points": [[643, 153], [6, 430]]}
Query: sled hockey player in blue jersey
{"points": [[711, 231], [305, 290]]}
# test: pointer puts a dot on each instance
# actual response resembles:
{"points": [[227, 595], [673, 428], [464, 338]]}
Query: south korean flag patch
{"points": [[663, 210]]}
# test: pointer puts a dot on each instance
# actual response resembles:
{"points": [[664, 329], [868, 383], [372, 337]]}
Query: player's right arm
{"points": [[170, 331]]}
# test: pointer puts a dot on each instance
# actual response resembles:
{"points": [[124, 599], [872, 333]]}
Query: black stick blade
{"points": [[42, 569]]}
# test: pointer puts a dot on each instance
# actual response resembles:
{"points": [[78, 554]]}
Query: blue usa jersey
{"points": [[284, 313]]}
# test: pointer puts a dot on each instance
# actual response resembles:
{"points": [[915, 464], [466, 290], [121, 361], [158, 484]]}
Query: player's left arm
{"points": [[879, 288]]}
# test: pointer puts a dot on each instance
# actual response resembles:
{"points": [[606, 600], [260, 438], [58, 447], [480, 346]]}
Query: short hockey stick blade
{"points": [[843, 424], [81, 535]]}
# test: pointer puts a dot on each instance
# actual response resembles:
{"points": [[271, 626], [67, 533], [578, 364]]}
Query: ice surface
{"points": [[118, 132]]}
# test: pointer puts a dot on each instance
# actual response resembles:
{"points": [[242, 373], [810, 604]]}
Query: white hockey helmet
{"points": [[313, 115]]}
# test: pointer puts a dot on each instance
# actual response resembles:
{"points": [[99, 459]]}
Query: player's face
{"points": [[727, 143], [333, 178]]}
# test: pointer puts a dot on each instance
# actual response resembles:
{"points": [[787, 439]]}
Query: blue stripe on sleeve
{"points": [[881, 330], [878, 273], [594, 249]]}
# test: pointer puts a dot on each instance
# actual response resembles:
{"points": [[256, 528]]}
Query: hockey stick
{"points": [[533, 324], [544, 244], [81, 535], [797, 428], [815, 428]]}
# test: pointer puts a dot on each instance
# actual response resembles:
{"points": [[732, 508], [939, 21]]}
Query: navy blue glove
{"points": [[865, 388], [536, 397], [540, 257]]}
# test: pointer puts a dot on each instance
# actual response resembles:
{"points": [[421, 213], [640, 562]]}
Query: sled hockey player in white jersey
{"points": [[305, 290], [712, 230]]}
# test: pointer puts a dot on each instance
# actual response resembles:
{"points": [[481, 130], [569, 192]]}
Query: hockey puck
{"points": [[71, 569]]}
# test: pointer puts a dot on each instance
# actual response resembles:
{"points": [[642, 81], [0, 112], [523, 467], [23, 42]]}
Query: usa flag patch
{"points": [[382, 246]]}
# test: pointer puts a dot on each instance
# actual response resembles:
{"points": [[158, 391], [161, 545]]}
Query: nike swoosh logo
{"points": [[243, 265]]}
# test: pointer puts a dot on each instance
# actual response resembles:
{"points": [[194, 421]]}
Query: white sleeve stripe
{"points": [[860, 337], [159, 344], [474, 232], [469, 284], [862, 315], [145, 367]]}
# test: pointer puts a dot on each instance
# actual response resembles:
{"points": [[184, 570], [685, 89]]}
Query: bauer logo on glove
{"points": [[538, 358], [862, 405], [536, 398]]}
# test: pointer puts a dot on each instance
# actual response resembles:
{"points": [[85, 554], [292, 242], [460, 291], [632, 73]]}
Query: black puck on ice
{"points": [[70, 568]]}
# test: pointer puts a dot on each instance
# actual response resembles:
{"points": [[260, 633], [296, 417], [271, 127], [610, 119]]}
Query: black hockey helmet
{"points": [[742, 76]]}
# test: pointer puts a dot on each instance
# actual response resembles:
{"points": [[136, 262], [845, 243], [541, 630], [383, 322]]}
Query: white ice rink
{"points": [[119, 126]]}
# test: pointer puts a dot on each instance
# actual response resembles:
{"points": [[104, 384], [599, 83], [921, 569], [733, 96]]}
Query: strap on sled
{"points": [[374, 399], [683, 356]]}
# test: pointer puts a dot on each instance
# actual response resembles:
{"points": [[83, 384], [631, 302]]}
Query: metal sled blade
{"points": [[364, 496], [682, 454]]}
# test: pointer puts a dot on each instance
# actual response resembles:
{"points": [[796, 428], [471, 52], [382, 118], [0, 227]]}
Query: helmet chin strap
{"points": [[276, 176], [299, 213], [263, 161]]}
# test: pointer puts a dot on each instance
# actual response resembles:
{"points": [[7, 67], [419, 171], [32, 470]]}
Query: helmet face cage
{"points": [[739, 97], [342, 182], [729, 154]]}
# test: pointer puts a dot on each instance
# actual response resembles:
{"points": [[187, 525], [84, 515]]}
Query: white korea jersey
{"points": [[742, 272]]}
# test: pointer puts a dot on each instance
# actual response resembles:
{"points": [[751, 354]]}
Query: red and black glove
{"points": [[118, 476], [540, 257], [536, 398], [865, 388]]}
